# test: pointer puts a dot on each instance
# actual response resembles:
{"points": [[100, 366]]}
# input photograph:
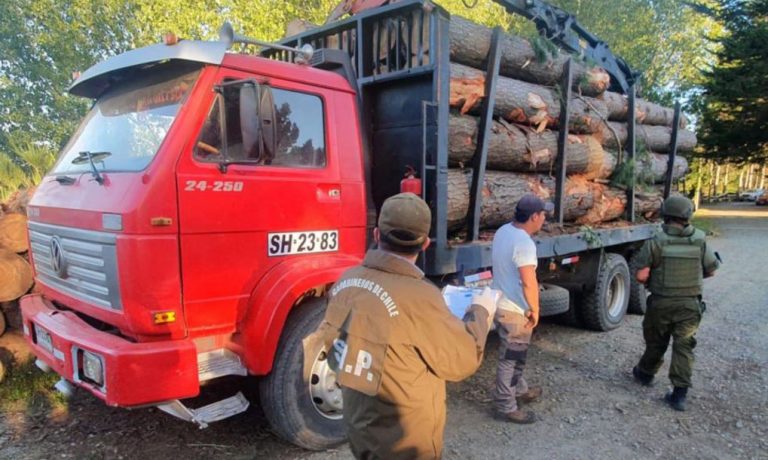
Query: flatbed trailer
{"points": [[399, 61]]}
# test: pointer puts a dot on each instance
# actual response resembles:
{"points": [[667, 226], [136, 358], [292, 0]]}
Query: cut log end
{"points": [[15, 276], [13, 232]]}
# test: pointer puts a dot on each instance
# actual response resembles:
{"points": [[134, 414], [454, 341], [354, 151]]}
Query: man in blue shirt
{"points": [[514, 273]]}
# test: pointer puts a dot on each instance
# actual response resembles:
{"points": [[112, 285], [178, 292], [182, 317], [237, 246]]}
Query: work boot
{"points": [[522, 417], [530, 396], [676, 398], [641, 377]]}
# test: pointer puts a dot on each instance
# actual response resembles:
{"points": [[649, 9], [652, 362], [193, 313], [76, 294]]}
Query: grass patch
{"points": [[28, 388], [705, 224]]}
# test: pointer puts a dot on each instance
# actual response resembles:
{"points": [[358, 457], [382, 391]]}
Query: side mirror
{"points": [[268, 118], [250, 125]]}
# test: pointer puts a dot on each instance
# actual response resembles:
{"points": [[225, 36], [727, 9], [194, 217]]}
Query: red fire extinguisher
{"points": [[410, 182]]}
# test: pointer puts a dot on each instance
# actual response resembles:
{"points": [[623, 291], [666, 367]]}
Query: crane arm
{"points": [[562, 28]]}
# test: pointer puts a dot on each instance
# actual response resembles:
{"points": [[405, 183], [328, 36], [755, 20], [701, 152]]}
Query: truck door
{"points": [[238, 221]]}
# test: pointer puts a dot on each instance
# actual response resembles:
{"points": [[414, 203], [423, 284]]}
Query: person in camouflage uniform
{"points": [[673, 265]]}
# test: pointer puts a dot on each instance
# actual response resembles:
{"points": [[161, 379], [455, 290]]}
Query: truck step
{"points": [[207, 414], [218, 363]]}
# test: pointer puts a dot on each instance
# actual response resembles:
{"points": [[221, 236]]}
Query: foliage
{"points": [[735, 107], [27, 388], [45, 41], [591, 237]]}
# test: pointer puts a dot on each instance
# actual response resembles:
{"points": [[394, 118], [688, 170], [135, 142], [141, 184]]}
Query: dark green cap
{"points": [[405, 220]]}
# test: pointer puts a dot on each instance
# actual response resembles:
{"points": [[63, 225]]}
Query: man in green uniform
{"points": [[394, 342], [673, 264]]}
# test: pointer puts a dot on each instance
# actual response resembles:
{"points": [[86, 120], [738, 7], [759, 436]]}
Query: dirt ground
{"points": [[591, 407]]}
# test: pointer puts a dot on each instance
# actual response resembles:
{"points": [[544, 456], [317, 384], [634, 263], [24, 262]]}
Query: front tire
{"points": [[604, 308], [303, 408]]}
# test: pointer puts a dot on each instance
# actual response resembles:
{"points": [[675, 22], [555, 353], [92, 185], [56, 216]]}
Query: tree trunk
{"points": [[725, 181], [520, 102], [585, 202], [711, 179], [762, 177], [13, 232], [470, 44], [519, 148], [654, 138], [15, 276], [646, 112], [741, 181], [717, 179], [697, 193]]}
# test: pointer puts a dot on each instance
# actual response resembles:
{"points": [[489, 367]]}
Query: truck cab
{"points": [[204, 197]]}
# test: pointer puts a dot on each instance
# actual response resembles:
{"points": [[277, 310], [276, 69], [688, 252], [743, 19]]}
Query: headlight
{"points": [[93, 367]]}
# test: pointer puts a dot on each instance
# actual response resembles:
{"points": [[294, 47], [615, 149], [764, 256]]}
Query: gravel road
{"points": [[591, 407]]}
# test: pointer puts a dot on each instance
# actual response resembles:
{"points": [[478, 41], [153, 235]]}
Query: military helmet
{"points": [[677, 206]]}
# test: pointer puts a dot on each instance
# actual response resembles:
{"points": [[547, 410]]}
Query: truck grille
{"points": [[79, 263]]}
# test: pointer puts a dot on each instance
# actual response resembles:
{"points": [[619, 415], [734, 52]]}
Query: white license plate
{"points": [[43, 338], [283, 244]]}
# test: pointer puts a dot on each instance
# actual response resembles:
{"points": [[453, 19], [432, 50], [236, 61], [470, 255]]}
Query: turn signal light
{"points": [[164, 317]]}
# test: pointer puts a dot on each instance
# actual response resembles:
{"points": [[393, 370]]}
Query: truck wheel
{"points": [[303, 409], [638, 295], [553, 300], [604, 308]]}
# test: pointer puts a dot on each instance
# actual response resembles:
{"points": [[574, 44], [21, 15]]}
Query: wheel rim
{"points": [[324, 389], [616, 295]]}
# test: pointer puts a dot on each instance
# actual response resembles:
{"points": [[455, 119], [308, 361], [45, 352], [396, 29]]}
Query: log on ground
{"points": [[520, 148], [470, 44], [526, 103], [13, 232], [613, 135], [15, 276]]}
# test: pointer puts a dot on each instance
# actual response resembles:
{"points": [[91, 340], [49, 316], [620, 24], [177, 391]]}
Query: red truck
{"points": [[208, 200]]}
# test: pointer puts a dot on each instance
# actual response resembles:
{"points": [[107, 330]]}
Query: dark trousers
{"points": [[513, 350], [677, 318]]}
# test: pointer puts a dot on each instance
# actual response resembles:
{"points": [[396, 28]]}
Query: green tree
{"points": [[735, 104]]}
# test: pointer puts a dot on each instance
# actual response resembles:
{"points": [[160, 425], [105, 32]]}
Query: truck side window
{"points": [[300, 131]]}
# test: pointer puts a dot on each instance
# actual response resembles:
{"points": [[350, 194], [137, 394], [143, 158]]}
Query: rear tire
{"points": [[638, 294], [553, 300], [290, 399], [604, 308]]}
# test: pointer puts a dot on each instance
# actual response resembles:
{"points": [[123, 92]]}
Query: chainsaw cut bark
{"points": [[520, 102], [470, 44], [501, 192], [13, 232], [654, 138], [520, 148], [15, 276], [585, 202]]}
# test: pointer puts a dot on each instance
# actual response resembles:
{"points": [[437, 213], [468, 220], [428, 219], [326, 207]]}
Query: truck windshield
{"points": [[129, 121]]}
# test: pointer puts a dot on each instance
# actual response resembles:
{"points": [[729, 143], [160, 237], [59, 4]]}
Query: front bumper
{"points": [[134, 373]]}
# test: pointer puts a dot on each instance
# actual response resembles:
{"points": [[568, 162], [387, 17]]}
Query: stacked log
{"points": [[523, 141], [16, 277]]}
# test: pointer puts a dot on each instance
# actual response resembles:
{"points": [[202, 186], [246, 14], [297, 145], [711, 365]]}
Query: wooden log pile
{"points": [[523, 142], [15, 271]]}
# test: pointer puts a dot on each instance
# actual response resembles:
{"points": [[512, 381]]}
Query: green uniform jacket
{"points": [[669, 284], [394, 344]]}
